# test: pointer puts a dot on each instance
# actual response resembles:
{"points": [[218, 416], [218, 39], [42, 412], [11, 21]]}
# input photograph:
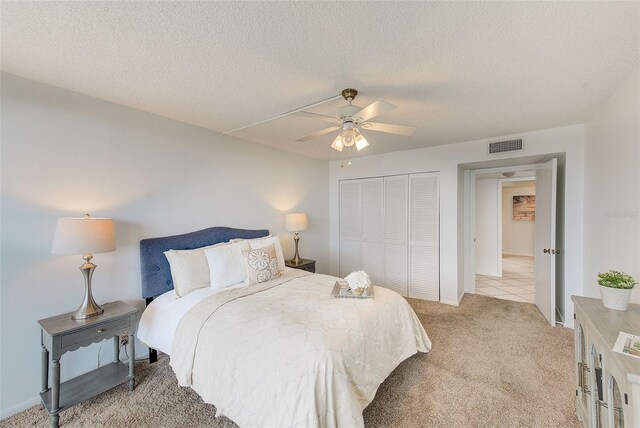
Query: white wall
{"points": [[445, 160], [64, 154], [488, 247], [518, 237], [612, 186]]}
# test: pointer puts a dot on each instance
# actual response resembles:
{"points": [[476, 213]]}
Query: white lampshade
{"points": [[337, 143], [84, 236], [361, 142], [296, 222]]}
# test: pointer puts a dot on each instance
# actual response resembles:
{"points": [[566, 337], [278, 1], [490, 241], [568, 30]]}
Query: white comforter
{"points": [[286, 354]]}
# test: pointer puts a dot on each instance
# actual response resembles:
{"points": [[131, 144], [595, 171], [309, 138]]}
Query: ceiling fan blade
{"points": [[317, 116], [374, 109], [406, 131], [317, 134]]}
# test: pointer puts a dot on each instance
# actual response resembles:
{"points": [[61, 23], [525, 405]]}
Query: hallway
{"points": [[516, 284]]}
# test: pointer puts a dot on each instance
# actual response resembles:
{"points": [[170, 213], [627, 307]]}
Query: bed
{"points": [[279, 353]]}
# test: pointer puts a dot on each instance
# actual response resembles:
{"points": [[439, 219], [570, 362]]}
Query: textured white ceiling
{"points": [[457, 71]]}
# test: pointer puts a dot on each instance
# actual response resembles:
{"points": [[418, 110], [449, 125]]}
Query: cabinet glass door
{"points": [[598, 400], [583, 369], [617, 409]]}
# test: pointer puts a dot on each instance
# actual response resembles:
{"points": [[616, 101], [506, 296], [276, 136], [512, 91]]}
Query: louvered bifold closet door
{"points": [[395, 232], [350, 227], [424, 255], [372, 190]]}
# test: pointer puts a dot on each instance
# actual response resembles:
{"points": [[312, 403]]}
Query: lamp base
{"points": [[88, 308], [296, 260], [87, 311]]}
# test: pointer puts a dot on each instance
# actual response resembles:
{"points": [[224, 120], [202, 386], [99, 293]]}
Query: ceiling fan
{"points": [[351, 119]]}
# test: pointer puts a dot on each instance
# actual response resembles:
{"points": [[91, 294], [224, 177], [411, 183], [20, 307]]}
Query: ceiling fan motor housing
{"points": [[348, 111], [349, 93], [348, 124]]}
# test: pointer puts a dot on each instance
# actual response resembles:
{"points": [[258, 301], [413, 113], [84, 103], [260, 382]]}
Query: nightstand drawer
{"points": [[309, 268], [105, 329], [303, 264]]}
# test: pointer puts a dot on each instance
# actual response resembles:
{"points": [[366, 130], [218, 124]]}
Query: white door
{"points": [[545, 259], [373, 261], [396, 200], [424, 241], [350, 227]]}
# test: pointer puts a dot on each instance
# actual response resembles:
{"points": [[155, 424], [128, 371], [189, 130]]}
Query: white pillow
{"points": [[189, 269], [265, 242], [226, 264]]}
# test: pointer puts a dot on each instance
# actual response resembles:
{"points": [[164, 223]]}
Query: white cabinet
{"points": [[607, 383], [389, 227]]}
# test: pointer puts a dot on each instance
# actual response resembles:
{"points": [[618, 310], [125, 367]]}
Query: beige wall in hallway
{"points": [[518, 237]]}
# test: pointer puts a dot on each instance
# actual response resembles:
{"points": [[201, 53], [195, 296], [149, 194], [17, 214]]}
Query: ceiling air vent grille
{"points": [[506, 146]]}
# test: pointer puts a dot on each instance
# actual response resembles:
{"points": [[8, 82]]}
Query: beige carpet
{"points": [[494, 363]]}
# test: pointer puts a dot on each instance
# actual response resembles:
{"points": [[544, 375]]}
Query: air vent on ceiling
{"points": [[506, 146]]}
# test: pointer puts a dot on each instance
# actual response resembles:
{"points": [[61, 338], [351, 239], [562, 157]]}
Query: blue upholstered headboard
{"points": [[156, 274]]}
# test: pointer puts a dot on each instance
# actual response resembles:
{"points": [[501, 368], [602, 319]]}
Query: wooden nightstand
{"points": [[61, 334], [305, 264]]}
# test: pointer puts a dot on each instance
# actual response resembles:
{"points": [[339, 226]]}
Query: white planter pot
{"points": [[615, 298]]}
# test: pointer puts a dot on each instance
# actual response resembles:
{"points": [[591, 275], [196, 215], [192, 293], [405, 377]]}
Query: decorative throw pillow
{"points": [[189, 269], [226, 264], [265, 242], [261, 264]]}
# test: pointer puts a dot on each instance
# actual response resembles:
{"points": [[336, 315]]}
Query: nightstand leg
{"points": [[55, 393], [44, 369], [132, 360], [116, 349]]}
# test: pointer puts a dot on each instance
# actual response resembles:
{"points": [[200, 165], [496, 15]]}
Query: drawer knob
{"points": [[100, 330]]}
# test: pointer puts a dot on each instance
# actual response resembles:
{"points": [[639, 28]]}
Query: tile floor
{"points": [[517, 282]]}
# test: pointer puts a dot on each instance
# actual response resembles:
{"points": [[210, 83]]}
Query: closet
{"points": [[389, 227]]}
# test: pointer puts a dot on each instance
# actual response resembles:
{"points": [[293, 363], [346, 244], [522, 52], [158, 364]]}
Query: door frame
{"points": [[470, 177]]}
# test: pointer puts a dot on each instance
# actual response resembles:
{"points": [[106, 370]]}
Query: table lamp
{"points": [[296, 222], [85, 236]]}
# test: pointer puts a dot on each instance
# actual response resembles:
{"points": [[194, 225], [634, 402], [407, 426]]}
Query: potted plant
{"points": [[615, 289]]}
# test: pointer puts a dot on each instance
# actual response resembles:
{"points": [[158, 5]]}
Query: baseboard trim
{"points": [[517, 254], [454, 303], [17, 408], [492, 274]]}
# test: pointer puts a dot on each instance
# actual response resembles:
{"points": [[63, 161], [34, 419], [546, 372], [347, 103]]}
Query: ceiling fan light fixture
{"points": [[361, 142], [349, 120], [348, 137], [337, 143]]}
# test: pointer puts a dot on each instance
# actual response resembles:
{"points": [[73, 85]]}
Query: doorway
{"points": [[505, 231], [484, 264]]}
